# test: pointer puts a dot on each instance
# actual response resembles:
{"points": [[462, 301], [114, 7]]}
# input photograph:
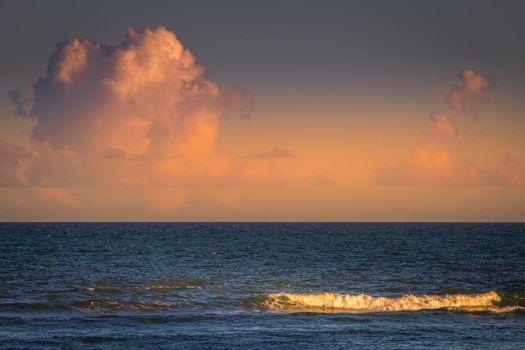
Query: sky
{"points": [[262, 111]]}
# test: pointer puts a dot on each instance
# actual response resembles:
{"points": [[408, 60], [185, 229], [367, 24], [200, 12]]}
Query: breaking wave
{"points": [[361, 303]]}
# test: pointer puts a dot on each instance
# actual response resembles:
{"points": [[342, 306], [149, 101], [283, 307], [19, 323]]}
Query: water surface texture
{"points": [[262, 286]]}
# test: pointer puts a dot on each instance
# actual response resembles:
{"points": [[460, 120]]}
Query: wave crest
{"points": [[333, 302]]}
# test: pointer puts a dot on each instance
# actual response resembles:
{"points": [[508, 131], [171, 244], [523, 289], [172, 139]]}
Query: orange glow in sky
{"points": [[139, 131]]}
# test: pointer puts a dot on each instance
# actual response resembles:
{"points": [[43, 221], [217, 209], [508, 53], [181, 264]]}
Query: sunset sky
{"points": [[262, 111]]}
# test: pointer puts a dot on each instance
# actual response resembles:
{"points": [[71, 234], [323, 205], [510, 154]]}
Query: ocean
{"points": [[262, 286]]}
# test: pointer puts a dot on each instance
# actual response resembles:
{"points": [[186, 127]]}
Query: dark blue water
{"points": [[213, 286]]}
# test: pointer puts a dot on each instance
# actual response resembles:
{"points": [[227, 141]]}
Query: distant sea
{"points": [[262, 286]]}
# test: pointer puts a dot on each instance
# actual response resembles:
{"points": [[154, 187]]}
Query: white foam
{"points": [[332, 302]]}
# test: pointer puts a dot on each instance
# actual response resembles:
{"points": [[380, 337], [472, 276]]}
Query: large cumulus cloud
{"points": [[146, 97], [127, 131], [140, 113]]}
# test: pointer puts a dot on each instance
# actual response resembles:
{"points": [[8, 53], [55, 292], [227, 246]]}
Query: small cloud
{"points": [[275, 153], [472, 94], [436, 162]]}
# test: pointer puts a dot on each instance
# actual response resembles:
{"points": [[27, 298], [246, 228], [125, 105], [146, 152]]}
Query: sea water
{"points": [[262, 286]]}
